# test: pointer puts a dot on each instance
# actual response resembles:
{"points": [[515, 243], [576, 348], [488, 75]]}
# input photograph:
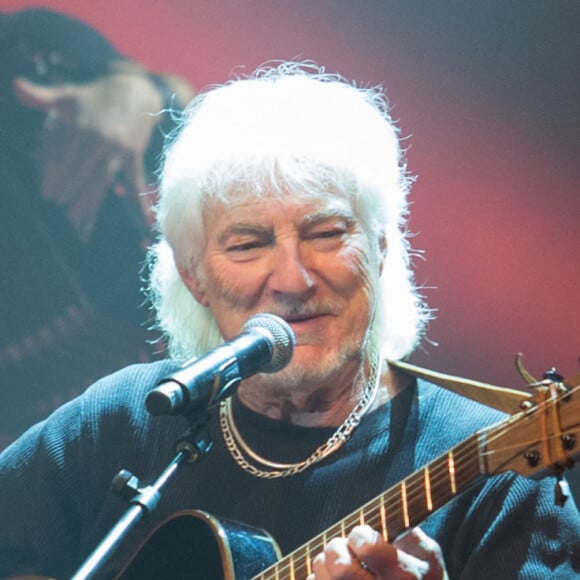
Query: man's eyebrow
{"points": [[329, 214], [240, 229]]}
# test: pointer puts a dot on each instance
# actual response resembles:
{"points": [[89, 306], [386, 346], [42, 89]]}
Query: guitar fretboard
{"points": [[401, 507]]}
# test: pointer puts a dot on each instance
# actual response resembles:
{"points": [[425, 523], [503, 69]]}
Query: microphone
{"points": [[265, 345]]}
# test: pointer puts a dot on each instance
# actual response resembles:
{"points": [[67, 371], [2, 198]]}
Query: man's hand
{"points": [[94, 138], [363, 554]]}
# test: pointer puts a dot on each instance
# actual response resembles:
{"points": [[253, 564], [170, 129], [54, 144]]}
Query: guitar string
{"points": [[414, 492], [314, 546], [318, 542], [296, 560]]}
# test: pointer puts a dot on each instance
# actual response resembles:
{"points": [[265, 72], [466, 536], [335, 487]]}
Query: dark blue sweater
{"points": [[55, 504]]}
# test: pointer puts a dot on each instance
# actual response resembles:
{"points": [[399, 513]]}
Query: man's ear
{"points": [[194, 283]]}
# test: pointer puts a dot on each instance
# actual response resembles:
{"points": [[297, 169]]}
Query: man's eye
{"points": [[245, 246], [334, 233]]}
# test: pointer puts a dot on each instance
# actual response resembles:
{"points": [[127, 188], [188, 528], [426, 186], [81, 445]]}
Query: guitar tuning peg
{"points": [[553, 376], [550, 376]]}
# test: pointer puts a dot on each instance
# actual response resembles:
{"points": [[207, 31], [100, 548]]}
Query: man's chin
{"points": [[308, 367]]}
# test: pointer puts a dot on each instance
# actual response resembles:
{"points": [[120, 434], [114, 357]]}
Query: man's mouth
{"points": [[302, 318]]}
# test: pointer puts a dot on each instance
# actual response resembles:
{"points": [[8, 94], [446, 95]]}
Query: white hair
{"points": [[288, 128]]}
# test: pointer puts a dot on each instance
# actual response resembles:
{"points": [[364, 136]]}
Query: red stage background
{"points": [[487, 95]]}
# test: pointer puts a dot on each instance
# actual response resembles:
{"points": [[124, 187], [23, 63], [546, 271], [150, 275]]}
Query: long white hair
{"points": [[290, 127]]}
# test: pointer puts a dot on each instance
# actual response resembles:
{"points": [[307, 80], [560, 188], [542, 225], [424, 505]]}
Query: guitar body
{"points": [[195, 545]]}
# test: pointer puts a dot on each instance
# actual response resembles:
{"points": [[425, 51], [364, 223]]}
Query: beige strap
{"points": [[500, 398]]}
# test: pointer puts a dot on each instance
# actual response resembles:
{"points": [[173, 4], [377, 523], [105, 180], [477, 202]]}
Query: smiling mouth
{"points": [[302, 318], [302, 315], [306, 319]]}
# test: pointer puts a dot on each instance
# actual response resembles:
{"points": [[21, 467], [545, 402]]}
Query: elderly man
{"points": [[285, 193]]}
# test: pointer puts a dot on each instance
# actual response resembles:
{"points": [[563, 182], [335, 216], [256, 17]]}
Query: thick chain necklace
{"points": [[241, 451]]}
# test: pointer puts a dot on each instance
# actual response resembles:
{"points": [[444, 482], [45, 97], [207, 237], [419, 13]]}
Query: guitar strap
{"points": [[501, 398]]}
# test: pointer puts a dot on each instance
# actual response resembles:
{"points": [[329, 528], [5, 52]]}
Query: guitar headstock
{"points": [[545, 435]]}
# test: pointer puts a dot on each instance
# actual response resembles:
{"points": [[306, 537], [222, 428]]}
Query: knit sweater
{"points": [[55, 503]]}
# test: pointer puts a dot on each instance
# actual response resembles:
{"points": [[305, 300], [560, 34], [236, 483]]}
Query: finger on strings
{"points": [[338, 562], [372, 550]]}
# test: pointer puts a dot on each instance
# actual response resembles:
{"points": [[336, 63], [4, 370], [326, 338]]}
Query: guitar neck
{"points": [[543, 436], [398, 509]]}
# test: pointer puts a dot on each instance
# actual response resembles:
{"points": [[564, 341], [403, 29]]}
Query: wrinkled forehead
{"points": [[255, 204]]}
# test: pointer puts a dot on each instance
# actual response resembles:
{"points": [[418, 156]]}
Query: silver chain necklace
{"points": [[241, 451]]}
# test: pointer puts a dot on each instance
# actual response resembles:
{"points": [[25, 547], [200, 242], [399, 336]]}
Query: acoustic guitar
{"points": [[542, 436]]}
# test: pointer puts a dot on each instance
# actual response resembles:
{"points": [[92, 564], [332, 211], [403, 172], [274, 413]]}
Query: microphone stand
{"points": [[190, 447], [219, 373]]}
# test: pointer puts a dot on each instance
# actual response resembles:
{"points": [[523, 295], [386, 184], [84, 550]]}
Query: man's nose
{"points": [[290, 272]]}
